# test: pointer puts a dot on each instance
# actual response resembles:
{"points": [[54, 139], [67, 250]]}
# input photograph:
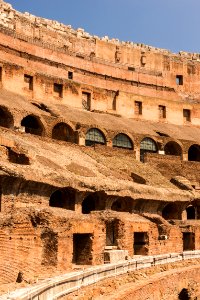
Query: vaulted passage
{"points": [[173, 148], [82, 249], [194, 153], [92, 202], [62, 132], [63, 198], [32, 125], [171, 212], [123, 205], [6, 118]]}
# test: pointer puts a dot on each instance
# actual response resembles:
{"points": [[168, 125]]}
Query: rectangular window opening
{"points": [[141, 243], [58, 90], [179, 79], [187, 115], [29, 81], [86, 100], [70, 75], [188, 241], [162, 111], [138, 108]]}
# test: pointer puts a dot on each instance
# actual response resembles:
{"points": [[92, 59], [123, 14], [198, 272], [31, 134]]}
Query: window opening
{"points": [[179, 79], [94, 136], [162, 111], [187, 115], [122, 141], [29, 81], [147, 145], [138, 108], [141, 243], [58, 90], [86, 100], [188, 241], [70, 75]]}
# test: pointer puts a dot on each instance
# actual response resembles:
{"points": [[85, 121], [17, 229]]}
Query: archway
{"points": [[171, 212], [147, 145], [93, 202], [94, 136], [191, 212], [173, 148], [63, 198], [194, 153], [122, 205], [184, 295], [63, 132], [32, 125], [6, 118], [122, 141]]}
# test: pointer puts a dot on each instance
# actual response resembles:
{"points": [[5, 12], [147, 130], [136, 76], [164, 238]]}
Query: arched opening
{"points": [[170, 212], [62, 132], [147, 145], [184, 295], [32, 125], [63, 198], [122, 141], [122, 205], [194, 153], [173, 148], [94, 136], [191, 212], [6, 118], [93, 202]]}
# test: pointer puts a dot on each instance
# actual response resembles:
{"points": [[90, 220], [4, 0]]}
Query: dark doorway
{"points": [[184, 295], [111, 233], [170, 212], [141, 243], [194, 153], [64, 198], [173, 148], [62, 132], [188, 241], [82, 249], [191, 213], [32, 125], [6, 119]]}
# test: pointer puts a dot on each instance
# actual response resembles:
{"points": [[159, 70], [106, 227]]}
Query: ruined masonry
{"points": [[99, 146]]}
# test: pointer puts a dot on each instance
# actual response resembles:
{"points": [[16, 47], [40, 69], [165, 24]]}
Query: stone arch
{"points": [[33, 125], [63, 198], [171, 211], [194, 153], [6, 118], [184, 295], [147, 145], [173, 148], [63, 132], [122, 140], [92, 202], [121, 205], [95, 136]]}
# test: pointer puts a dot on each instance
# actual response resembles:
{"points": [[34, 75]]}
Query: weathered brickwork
{"points": [[99, 148]]}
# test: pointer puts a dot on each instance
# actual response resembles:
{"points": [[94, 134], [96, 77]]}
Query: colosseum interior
{"points": [[100, 155]]}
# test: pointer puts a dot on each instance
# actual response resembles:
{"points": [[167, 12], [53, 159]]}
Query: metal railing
{"points": [[56, 287]]}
